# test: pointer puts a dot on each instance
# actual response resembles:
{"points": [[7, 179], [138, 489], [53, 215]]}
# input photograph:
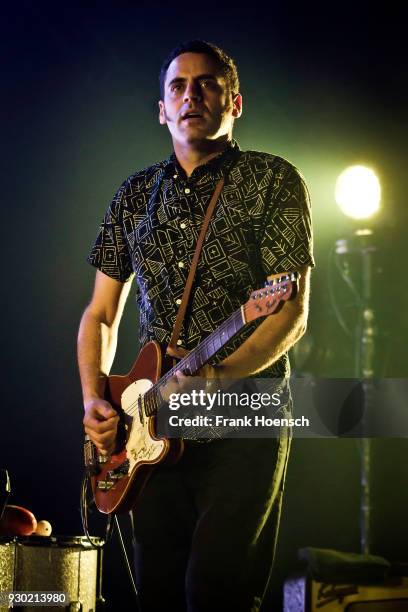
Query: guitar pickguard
{"points": [[141, 447]]}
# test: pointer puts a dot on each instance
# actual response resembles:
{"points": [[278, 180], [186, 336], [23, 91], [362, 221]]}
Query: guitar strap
{"points": [[189, 283]]}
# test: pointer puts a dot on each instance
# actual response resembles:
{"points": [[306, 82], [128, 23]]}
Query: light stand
{"points": [[358, 194], [362, 245]]}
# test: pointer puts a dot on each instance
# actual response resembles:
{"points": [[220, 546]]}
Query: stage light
{"points": [[358, 192]]}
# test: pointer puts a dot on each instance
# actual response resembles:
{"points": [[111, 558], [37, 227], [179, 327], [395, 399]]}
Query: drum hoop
{"points": [[57, 541]]}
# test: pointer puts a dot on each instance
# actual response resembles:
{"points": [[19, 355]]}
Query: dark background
{"points": [[323, 87]]}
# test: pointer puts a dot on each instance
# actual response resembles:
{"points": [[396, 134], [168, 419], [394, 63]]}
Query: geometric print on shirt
{"points": [[261, 226]]}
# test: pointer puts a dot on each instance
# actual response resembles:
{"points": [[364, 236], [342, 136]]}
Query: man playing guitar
{"points": [[206, 527]]}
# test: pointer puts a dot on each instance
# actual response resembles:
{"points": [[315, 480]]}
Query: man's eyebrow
{"points": [[175, 80], [183, 79]]}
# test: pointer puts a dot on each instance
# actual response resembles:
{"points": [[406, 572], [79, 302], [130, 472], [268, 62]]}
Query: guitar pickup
{"points": [[119, 472], [105, 485]]}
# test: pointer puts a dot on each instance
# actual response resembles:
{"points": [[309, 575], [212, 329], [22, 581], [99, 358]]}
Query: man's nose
{"points": [[192, 92]]}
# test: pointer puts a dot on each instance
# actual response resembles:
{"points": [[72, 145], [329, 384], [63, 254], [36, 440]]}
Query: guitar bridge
{"points": [[114, 476]]}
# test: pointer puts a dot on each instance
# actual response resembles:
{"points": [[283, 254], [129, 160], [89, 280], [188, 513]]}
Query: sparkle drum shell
{"points": [[56, 563]]}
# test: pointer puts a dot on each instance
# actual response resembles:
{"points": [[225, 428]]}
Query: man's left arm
{"points": [[271, 339], [285, 244]]}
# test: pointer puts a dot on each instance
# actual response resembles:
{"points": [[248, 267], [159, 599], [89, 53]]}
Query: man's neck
{"points": [[191, 156]]}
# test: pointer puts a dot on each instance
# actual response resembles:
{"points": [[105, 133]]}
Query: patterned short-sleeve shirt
{"points": [[261, 226]]}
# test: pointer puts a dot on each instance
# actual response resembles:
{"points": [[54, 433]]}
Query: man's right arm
{"points": [[97, 341]]}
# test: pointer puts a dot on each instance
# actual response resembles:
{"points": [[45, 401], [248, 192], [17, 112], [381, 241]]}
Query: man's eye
{"points": [[175, 87], [208, 84]]}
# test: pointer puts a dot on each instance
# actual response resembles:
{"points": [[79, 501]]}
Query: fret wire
{"points": [[205, 351], [195, 366], [230, 328], [201, 355], [190, 367], [210, 346], [218, 342]]}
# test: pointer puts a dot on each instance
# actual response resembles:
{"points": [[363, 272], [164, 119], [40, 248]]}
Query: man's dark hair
{"points": [[226, 64]]}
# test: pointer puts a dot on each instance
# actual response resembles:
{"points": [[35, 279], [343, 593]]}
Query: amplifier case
{"points": [[301, 594]]}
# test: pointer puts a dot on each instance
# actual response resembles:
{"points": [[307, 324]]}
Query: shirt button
{"points": [[181, 264], [179, 342], [187, 190], [183, 225], [175, 175], [178, 301]]}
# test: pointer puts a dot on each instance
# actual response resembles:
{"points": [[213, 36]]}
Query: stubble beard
{"points": [[198, 138]]}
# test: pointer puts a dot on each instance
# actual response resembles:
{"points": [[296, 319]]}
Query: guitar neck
{"points": [[198, 357], [261, 303]]}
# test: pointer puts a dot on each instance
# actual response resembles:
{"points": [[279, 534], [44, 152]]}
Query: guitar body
{"points": [[118, 480]]}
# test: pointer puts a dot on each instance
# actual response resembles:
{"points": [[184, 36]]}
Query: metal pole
{"points": [[361, 244], [365, 370]]}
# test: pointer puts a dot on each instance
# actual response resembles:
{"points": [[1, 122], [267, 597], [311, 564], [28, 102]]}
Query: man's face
{"points": [[197, 105]]}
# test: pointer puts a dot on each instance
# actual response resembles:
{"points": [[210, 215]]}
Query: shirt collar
{"points": [[216, 166]]}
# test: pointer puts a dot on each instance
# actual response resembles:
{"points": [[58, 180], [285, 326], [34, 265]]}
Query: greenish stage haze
{"points": [[80, 105]]}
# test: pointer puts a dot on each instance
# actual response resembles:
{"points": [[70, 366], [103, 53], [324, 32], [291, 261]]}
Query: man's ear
{"points": [[237, 105], [162, 113]]}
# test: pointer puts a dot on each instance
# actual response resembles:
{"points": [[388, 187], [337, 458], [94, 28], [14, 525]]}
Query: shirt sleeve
{"points": [[286, 240], [110, 252]]}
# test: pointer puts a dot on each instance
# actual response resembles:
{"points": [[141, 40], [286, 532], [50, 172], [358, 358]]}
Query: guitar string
{"points": [[133, 408], [130, 409], [150, 394]]}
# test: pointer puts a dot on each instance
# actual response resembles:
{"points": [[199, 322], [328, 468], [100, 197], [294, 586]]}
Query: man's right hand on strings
{"points": [[100, 423]]}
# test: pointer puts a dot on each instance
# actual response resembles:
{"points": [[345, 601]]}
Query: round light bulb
{"points": [[358, 192]]}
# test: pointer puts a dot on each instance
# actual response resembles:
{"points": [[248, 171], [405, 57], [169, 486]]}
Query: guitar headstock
{"points": [[278, 289]]}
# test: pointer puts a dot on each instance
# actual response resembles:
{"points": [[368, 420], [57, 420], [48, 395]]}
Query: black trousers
{"points": [[205, 529]]}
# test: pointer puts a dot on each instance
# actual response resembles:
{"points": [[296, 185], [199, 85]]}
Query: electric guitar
{"points": [[118, 480]]}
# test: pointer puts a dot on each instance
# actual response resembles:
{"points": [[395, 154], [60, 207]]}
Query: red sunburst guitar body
{"points": [[118, 480]]}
